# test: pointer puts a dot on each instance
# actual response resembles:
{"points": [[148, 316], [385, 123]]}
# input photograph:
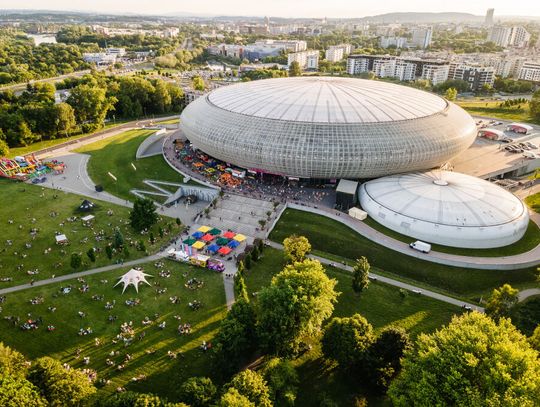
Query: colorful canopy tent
{"points": [[198, 235], [213, 248], [198, 245], [233, 244], [208, 237], [189, 241], [224, 250], [229, 234], [240, 238], [222, 241], [133, 277], [204, 229], [214, 231]]}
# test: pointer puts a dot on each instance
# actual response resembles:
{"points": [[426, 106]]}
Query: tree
{"points": [[282, 380], [346, 340], [133, 399], [4, 148], [233, 398], [91, 254], [90, 105], [240, 288], [296, 248], [241, 267], [534, 105], [295, 305], [474, 361], [247, 262], [361, 275], [118, 238], [251, 385], [534, 340], [451, 94], [198, 391], [59, 385], [12, 362], [236, 337], [501, 301], [109, 251], [76, 260], [254, 253], [385, 354], [295, 69], [143, 215], [16, 391], [198, 83], [64, 118]]}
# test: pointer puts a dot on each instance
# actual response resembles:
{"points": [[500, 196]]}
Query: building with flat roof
{"points": [[530, 71], [488, 21], [307, 59], [421, 37]]}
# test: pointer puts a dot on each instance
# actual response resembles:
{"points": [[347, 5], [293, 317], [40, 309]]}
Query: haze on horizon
{"points": [[281, 8]]}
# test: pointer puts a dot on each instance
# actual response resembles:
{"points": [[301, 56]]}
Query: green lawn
{"points": [[170, 121], [40, 145], [329, 236], [529, 241], [491, 109], [163, 373], [534, 202], [116, 155], [25, 207], [381, 304]]}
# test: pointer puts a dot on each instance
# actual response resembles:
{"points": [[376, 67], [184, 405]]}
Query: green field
{"points": [[329, 236], [116, 155], [170, 121], [491, 108], [25, 207], [534, 202], [381, 304], [163, 374], [529, 241]]}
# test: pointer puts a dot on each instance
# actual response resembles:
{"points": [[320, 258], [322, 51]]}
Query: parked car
{"points": [[420, 246], [39, 180], [507, 140], [531, 145], [530, 154]]}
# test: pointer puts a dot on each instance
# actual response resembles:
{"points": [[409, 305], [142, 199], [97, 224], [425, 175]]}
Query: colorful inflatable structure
{"points": [[25, 167]]}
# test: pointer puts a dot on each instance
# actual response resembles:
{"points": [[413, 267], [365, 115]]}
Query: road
{"points": [[390, 281]]}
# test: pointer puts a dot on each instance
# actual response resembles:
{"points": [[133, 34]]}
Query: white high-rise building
{"points": [[530, 71], [421, 37], [500, 35], [306, 59], [489, 17], [398, 42], [333, 54], [435, 73], [519, 37], [356, 66], [394, 68]]}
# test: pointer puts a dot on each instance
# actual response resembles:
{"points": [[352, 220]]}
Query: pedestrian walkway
{"points": [[395, 283]]}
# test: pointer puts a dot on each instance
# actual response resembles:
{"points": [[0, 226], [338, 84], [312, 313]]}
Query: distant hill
{"points": [[414, 17]]}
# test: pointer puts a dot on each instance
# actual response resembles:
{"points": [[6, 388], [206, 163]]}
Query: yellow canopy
{"points": [[204, 229], [198, 245], [239, 238]]}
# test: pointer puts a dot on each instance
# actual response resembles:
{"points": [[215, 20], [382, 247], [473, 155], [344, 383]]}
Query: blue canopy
{"points": [[213, 248], [233, 244], [198, 235]]}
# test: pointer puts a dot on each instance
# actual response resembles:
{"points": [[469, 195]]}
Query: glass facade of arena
{"points": [[327, 150]]}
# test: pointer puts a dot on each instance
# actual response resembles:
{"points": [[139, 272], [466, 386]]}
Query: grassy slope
{"points": [[163, 374], [529, 241], [327, 235], [116, 154], [534, 202], [27, 202], [381, 304], [492, 109]]}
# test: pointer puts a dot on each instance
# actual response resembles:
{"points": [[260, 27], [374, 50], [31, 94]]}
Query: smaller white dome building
{"points": [[446, 208]]}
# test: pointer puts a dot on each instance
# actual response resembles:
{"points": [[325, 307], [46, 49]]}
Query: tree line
{"points": [[34, 115]]}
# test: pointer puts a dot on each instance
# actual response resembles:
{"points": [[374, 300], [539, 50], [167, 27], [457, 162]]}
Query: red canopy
{"points": [[208, 237], [229, 235], [224, 250]]}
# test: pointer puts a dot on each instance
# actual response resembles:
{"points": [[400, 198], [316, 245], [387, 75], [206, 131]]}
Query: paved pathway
{"points": [[529, 292], [390, 281]]}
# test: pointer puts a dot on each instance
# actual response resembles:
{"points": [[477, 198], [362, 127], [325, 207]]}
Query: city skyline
{"points": [[282, 8]]}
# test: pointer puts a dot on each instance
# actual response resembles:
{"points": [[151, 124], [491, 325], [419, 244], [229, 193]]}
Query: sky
{"points": [[282, 8]]}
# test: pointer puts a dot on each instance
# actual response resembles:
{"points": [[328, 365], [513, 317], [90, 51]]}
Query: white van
{"points": [[421, 246]]}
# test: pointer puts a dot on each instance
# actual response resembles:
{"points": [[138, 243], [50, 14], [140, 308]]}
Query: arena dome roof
{"points": [[327, 127], [447, 208], [327, 100]]}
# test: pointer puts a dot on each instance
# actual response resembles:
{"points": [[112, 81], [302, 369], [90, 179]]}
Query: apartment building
{"points": [[530, 71], [398, 42], [435, 73], [475, 76], [421, 37], [306, 59]]}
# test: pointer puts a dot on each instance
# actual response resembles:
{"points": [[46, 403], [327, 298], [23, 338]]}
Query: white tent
{"points": [[87, 218], [357, 213], [133, 277], [60, 239]]}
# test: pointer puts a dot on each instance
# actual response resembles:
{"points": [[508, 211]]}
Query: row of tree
{"points": [[34, 115]]}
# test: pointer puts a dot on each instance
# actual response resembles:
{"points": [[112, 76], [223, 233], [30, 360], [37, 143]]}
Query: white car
{"points": [[530, 154]]}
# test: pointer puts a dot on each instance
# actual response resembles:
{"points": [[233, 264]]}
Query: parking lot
{"points": [[491, 158]]}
